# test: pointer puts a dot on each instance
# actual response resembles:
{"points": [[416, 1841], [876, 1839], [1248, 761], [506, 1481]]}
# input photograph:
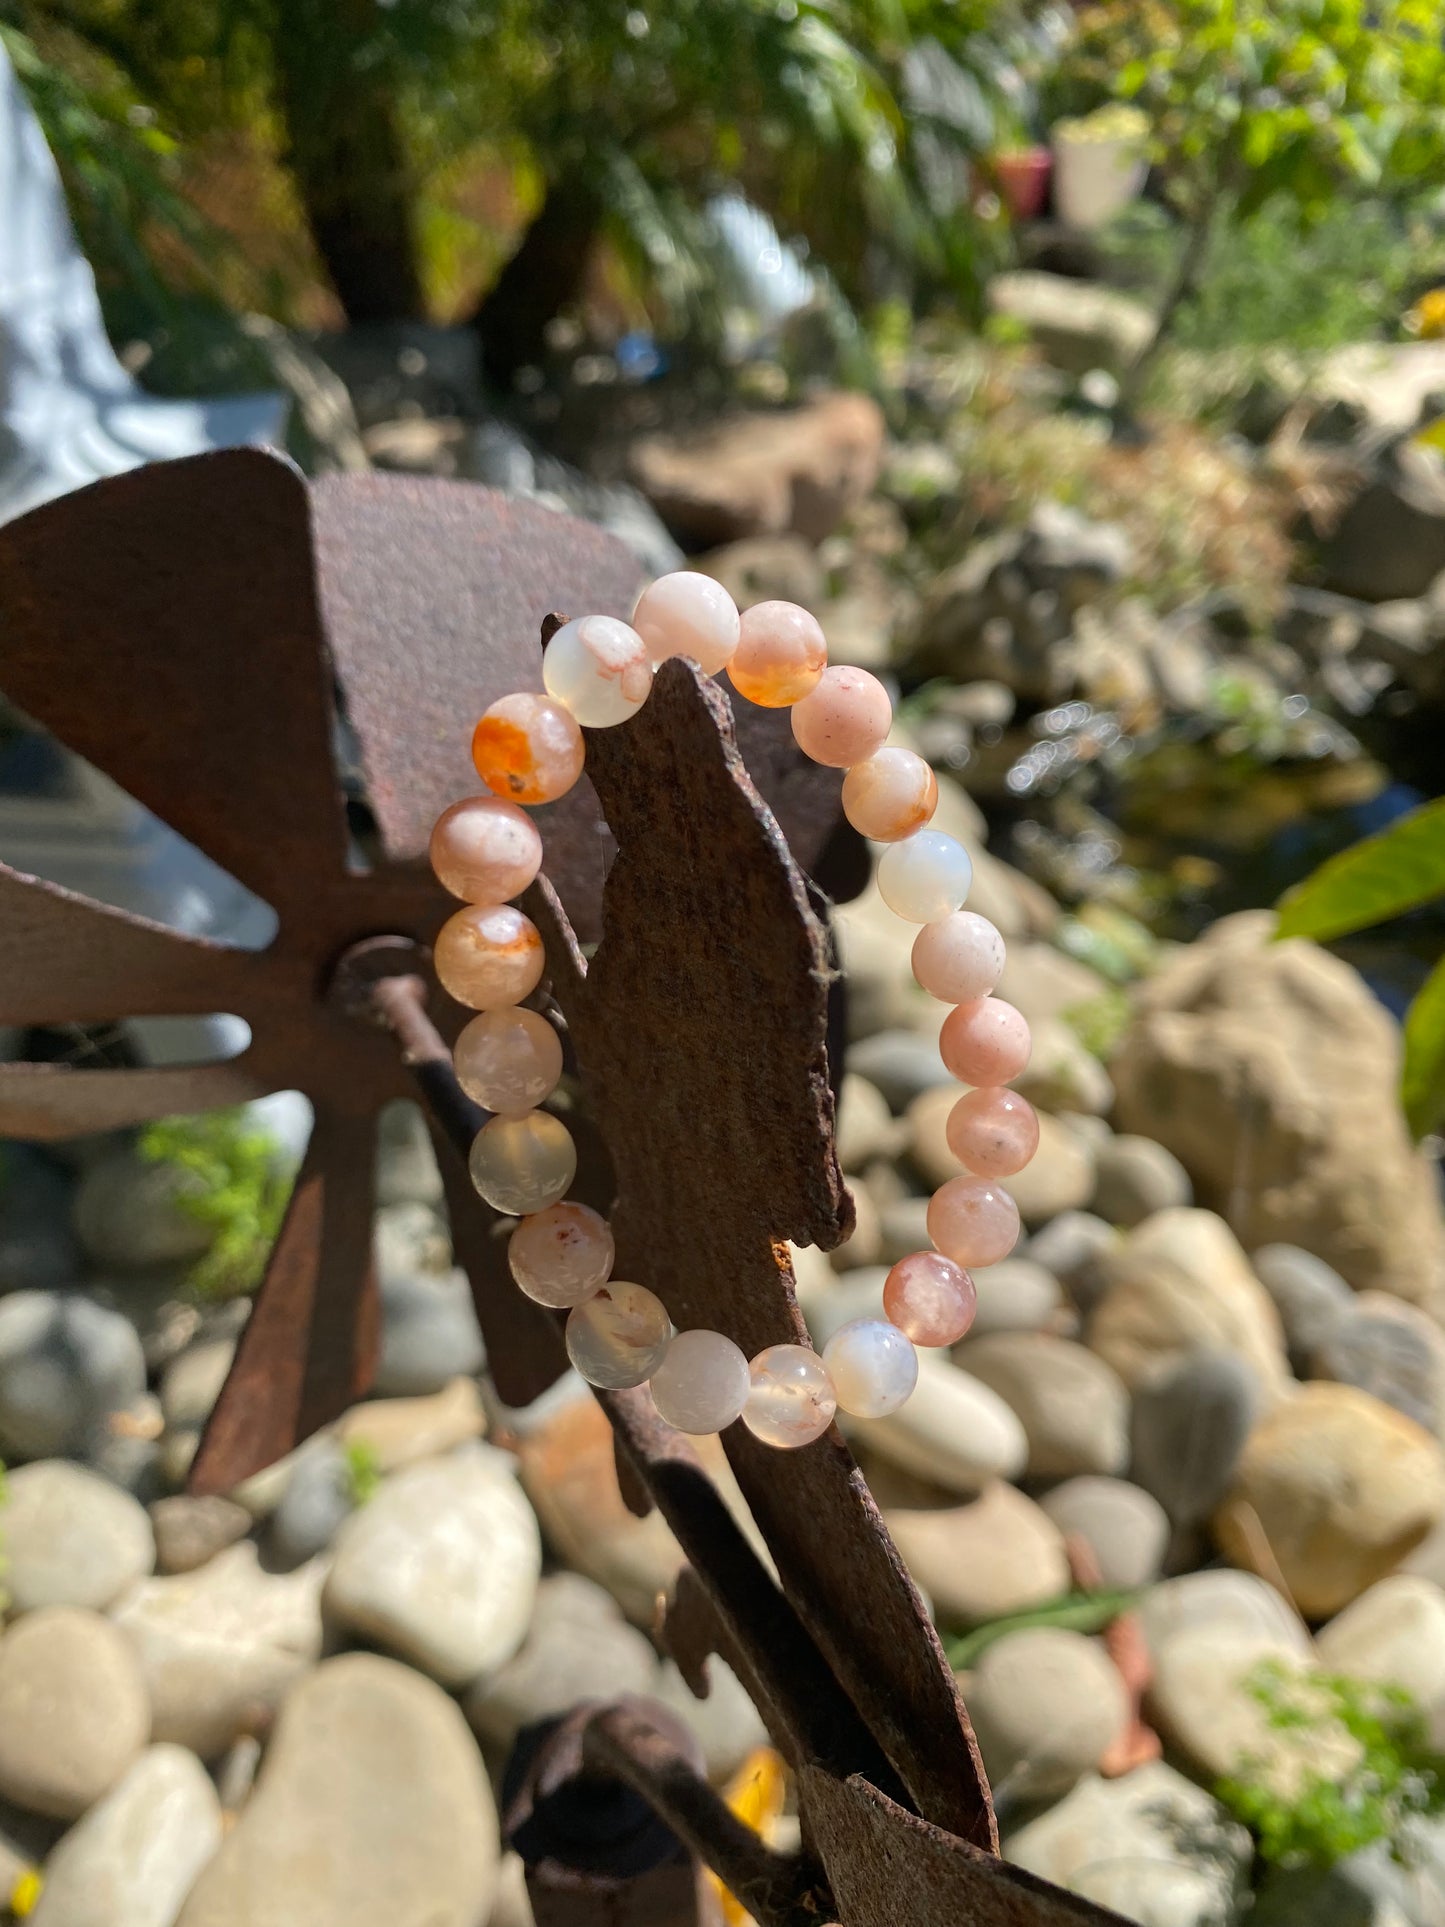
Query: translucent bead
{"points": [[528, 748], [873, 1367], [973, 1221], [560, 1256], [925, 877], [959, 958], [508, 1059], [985, 1042], [488, 955], [993, 1132], [687, 614], [702, 1384], [844, 719], [929, 1298], [598, 669], [523, 1164], [619, 1336], [890, 794], [780, 656], [484, 850], [792, 1401]]}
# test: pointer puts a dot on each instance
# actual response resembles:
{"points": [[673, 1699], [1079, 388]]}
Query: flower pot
{"points": [[1095, 179], [1023, 180]]}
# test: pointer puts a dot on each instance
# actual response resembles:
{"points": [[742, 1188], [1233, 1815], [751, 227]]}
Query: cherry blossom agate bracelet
{"points": [[529, 749]]}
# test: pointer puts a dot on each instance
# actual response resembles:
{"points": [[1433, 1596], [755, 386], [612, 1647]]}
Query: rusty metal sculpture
{"points": [[174, 626]]}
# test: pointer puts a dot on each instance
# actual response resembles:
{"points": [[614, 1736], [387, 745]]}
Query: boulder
{"points": [[1273, 1074]]}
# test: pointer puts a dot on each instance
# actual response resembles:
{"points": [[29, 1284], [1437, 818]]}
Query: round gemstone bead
{"points": [[791, 1401], [993, 1132], [484, 850], [929, 1298], [598, 669], [958, 959], [687, 614], [985, 1042], [844, 718], [488, 955], [781, 654], [925, 877], [619, 1336], [528, 748], [523, 1164], [973, 1221], [702, 1384], [560, 1256], [873, 1367], [890, 794], [508, 1059]]}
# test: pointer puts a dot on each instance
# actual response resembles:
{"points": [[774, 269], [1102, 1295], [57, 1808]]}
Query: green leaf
{"points": [[1080, 1612], [1397, 870], [1422, 1086]]}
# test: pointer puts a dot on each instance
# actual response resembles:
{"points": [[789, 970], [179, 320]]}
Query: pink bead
{"points": [[844, 719], [702, 1384], [687, 614], [508, 1059], [488, 955], [560, 1256], [993, 1132], [791, 1402], [973, 1221], [929, 1298], [781, 654], [485, 850], [890, 794], [985, 1042], [958, 959]]}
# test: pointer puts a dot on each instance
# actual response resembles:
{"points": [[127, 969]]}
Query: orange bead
{"points": [[780, 656], [528, 748], [890, 794]]}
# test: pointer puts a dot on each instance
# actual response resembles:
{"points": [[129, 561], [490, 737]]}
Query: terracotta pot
{"points": [[1023, 180]]}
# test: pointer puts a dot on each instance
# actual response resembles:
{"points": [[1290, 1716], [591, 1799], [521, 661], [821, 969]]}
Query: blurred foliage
{"points": [[1399, 869], [239, 1188], [1314, 1818]]}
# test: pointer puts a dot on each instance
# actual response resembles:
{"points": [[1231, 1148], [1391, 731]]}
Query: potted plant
{"points": [[1099, 164]]}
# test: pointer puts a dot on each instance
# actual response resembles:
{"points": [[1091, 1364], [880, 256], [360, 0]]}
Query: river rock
{"points": [[429, 1333], [406, 1165], [953, 1430], [190, 1531], [1072, 1248], [1123, 1526], [1059, 1176], [1044, 982], [1287, 1037], [927, 1126], [577, 1647], [903, 1223], [73, 1710], [866, 1129], [725, 1723], [1202, 1702], [1189, 1428], [1310, 1296], [1235, 1605], [136, 1855], [977, 1562], [371, 1810], [220, 1647], [70, 1538], [903, 1064], [1394, 1633], [1072, 1406], [318, 1499], [1061, 1074], [441, 1565], [1015, 1295], [130, 1212], [1135, 1177], [394, 1432], [1046, 1706], [65, 1366], [1179, 1284], [1392, 1350], [1130, 1843], [1343, 1486]]}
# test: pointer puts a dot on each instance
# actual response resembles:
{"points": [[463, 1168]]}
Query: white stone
{"points": [[953, 1430], [1393, 1633], [70, 1538], [598, 668], [1046, 1705]]}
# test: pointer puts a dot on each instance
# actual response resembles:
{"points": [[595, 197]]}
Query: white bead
{"points": [[873, 1367], [702, 1384], [925, 877], [598, 669], [688, 614]]}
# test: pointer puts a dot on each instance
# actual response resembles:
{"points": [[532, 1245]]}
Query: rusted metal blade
{"points": [[309, 1348], [163, 624], [67, 959], [60, 1100]]}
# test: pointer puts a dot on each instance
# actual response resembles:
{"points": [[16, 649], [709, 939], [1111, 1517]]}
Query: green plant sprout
{"points": [[1076, 1612], [239, 1189], [1396, 1776], [363, 1470]]}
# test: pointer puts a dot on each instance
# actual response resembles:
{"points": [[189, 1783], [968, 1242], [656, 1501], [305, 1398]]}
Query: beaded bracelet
{"points": [[529, 749]]}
